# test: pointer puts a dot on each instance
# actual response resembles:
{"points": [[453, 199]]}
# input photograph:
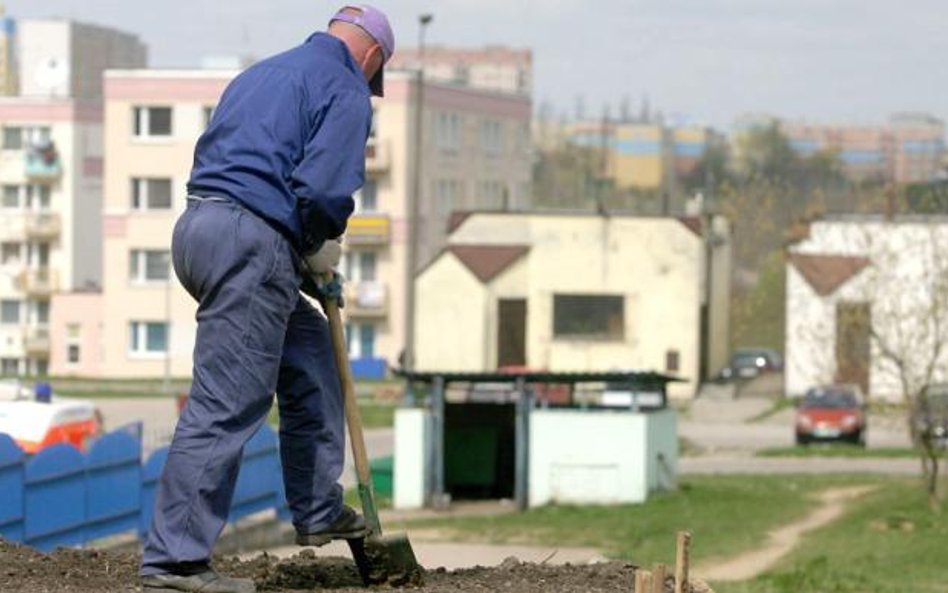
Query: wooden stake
{"points": [[681, 562], [643, 581], [658, 578]]}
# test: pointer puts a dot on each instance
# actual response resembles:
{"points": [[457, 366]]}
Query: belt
{"points": [[195, 198]]}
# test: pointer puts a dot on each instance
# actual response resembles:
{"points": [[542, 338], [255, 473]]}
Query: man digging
{"points": [[269, 196]]}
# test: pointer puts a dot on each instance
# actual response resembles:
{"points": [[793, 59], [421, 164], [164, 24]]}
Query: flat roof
{"points": [[630, 377]]}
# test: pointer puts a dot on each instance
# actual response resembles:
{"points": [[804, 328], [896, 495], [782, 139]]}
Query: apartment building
{"points": [[50, 179], [909, 148], [643, 155], [475, 154], [63, 58], [8, 64], [494, 67], [50, 182], [152, 120]]}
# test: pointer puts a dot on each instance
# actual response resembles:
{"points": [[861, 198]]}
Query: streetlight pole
{"points": [[414, 199]]}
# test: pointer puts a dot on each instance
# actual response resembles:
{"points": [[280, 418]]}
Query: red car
{"points": [[832, 413]]}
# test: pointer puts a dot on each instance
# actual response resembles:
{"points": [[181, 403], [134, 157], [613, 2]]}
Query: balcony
{"points": [[42, 225], [366, 299], [38, 282], [36, 340], [43, 164], [369, 229], [377, 156]]}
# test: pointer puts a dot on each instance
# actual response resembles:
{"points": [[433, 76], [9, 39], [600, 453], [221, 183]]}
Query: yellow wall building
{"points": [[576, 293]]}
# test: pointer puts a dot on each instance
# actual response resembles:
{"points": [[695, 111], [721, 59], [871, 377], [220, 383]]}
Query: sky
{"points": [[708, 61]]}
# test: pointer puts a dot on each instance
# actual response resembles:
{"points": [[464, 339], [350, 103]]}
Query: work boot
{"points": [[205, 582], [349, 525]]}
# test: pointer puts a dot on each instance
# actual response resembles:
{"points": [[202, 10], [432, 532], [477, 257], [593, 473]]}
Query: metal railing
{"points": [[367, 299], [42, 225], [38, 281]]}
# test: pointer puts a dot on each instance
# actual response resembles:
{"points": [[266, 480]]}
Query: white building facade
{"points": [[863, 293]]}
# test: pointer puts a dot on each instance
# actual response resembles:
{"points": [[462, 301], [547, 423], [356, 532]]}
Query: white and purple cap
{"points": [[374, 22]]}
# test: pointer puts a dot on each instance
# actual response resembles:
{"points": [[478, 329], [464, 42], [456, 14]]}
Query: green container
{"points": [[382, 470]]}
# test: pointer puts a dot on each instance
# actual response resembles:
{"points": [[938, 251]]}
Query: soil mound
{"points": [[24, 570]]}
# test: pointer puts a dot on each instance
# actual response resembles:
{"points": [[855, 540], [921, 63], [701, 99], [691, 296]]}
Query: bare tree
{"points": [[884, 323], [909, 327]]}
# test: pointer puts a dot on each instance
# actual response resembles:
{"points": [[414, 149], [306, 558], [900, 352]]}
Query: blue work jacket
{"points": [[287, 141]]}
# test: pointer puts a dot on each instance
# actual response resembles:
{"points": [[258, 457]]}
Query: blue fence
{"points": [[61, 497]]}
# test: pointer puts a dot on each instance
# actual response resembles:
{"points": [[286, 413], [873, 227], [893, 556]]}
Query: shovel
{"points": [[381, 559]]}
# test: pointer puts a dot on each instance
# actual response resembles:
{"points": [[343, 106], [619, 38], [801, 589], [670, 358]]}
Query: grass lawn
{"points": [[376, 412], [836, 450], [374, 415], [777, 406], [889, 543], [710, 507]]}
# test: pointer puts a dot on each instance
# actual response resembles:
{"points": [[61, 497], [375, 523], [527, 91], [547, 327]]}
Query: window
{"points": [[492, 138], [448, 132], [149, 265], [672, 361], [208, 115], [153, 193], [490, 194], [588, 316], [360, 338], [42, 312], [12, 138], [366, 198], [73, 347], [448, 195], [11, 196], [37, 136], [361, 266], [147, 337], [38, 197], [523, 139], [9, 253], [374, 128], [9, 312], [18, 138], [152, 122], [9, 367]]}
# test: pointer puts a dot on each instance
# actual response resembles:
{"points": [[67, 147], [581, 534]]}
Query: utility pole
{"points": [[414, 200]]}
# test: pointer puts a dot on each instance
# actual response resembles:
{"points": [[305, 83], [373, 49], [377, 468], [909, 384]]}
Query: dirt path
{"points": [[781, 541]]}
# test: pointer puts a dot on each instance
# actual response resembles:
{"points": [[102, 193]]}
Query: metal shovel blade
{"points": [[387, 560]]}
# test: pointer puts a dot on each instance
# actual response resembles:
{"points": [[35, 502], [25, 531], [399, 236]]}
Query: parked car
{"points": [[931, 416], [832, 413], [36, 420], [747, 363]]}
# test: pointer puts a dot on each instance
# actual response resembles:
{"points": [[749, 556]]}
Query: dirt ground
{"points": [[24, 570]]}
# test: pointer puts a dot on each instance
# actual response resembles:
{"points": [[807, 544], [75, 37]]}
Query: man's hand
{"points": [[321, 288], [325, 259]]}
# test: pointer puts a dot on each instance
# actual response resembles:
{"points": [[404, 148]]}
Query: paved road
{"points": [[159, 415], [720, 428], [747, 464]]}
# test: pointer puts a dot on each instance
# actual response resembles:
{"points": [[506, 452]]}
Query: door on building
{"points": [[511, 332], [853, 325]]}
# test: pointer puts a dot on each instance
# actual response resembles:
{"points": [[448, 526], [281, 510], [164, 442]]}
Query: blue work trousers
{"points": [[256, 335]]}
